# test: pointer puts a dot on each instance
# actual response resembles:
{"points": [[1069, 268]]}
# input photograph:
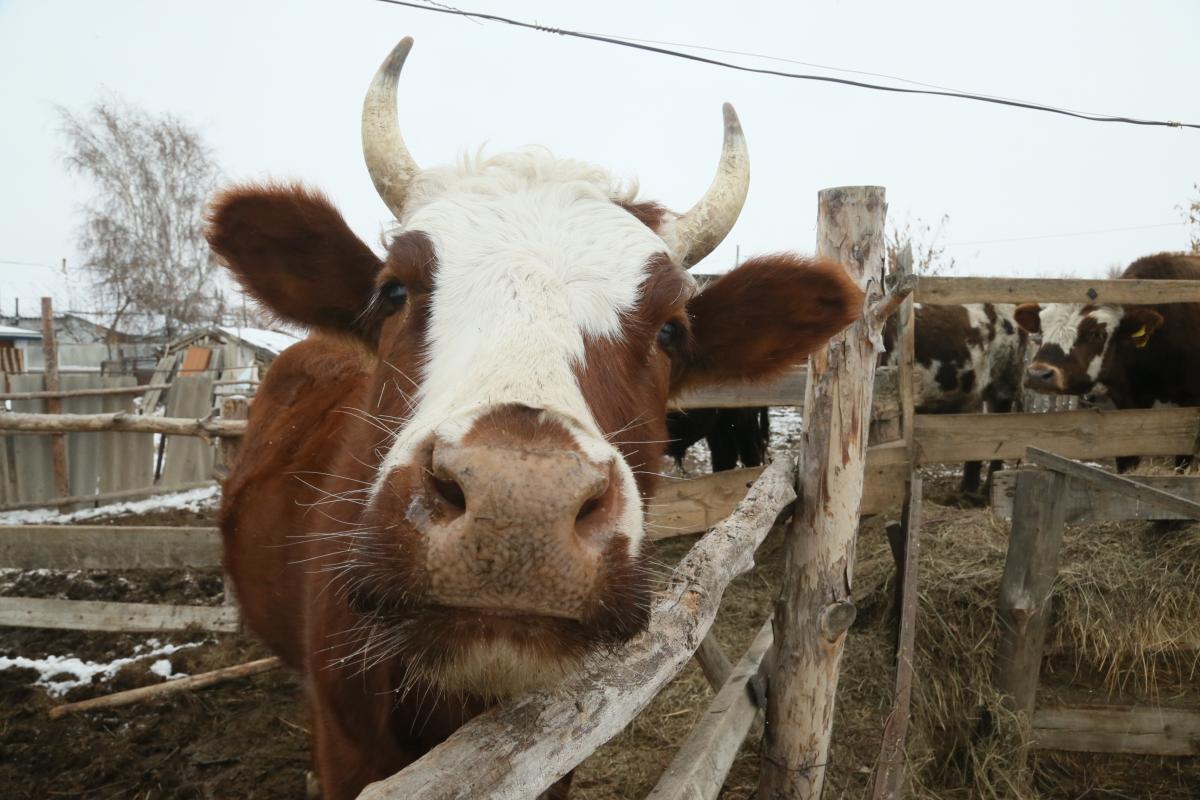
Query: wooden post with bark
{"points": [[1039, 516], [815, 608], [58, 442]]}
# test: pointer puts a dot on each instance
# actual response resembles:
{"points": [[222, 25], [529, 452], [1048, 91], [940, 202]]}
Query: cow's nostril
{"points": [[589, 507], [450, 492]]}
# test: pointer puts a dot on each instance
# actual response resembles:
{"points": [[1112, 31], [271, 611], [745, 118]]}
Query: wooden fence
{"points": [[533, 741], [1041, 500]]}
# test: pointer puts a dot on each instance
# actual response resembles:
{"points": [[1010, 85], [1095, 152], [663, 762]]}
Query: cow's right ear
{"points": [[291, 249], [1029, 317]]}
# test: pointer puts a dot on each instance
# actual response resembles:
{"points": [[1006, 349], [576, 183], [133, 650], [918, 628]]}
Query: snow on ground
{"points": [[60, 674], [200, 499]]}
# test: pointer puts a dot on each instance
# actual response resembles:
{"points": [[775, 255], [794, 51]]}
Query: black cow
{"points": [[732, 434]]}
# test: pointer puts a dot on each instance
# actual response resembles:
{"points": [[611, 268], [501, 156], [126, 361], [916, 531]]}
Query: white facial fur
{"points": [[1060, 326], [533, 256]]}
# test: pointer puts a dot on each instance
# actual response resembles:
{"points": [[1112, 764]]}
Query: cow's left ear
{"points": [[1138, 324], [765, 316]]}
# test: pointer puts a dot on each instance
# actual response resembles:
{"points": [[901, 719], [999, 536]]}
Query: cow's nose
{"points": [[519, 530], [1044, 377], [555, 488]]}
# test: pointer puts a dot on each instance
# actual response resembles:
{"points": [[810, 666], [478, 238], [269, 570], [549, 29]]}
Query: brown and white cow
{"points": [[440, 499], [966, 356], [1134, 356]]}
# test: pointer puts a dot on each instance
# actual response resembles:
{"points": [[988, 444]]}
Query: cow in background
{"points": [[1131, 356], [733, 435], [440, 498], [967, 356]]}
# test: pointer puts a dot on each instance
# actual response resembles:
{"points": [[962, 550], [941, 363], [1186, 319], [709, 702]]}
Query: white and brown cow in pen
{"points": [[1132, 356], [968, 358], [440, 499]]}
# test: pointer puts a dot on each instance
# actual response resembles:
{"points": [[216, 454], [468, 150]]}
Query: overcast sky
{"points": [[276, 88]]}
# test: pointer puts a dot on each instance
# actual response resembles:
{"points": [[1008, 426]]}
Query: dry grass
{"points": [[1126, 629]]}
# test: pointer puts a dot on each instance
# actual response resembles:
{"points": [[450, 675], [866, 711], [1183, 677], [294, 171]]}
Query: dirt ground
{"points": [[248, 739]]}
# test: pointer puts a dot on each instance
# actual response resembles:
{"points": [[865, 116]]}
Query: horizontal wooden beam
{"points": [[104, 392], [954, 291], [120, 421], [788, 390], [1088, 434], [1088, 503], [1116, 729], [693, 505], [106, 497], [107, 547], [89, 615], [1116, 484]]}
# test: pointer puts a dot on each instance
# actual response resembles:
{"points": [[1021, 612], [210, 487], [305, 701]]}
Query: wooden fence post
{"points": [[815, 607], [58, 442], [233, 407], [1039, 513]]}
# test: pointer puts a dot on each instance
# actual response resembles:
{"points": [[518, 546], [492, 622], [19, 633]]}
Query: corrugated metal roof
{"points": [[9, 332]]}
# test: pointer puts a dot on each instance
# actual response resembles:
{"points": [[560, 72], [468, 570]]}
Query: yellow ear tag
{"points": [[1140, 337]]}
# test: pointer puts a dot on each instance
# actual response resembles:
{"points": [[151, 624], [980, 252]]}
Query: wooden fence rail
{"points": [[936, 290]]}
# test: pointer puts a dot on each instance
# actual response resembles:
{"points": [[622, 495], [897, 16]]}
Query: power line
{"points": [[613, 40], [1066, 235]]}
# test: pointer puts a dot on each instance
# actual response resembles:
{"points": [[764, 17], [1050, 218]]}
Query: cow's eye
{"points": [[395, 294], [668, 334]]}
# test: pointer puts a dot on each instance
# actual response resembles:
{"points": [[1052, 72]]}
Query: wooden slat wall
{"points": [[107, 547], [188, 458]]}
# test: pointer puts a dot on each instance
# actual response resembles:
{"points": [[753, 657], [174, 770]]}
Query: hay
{"points": [[1126, 629]]}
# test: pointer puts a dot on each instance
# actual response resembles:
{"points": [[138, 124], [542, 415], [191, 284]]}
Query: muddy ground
{"points": [[249, 739]]}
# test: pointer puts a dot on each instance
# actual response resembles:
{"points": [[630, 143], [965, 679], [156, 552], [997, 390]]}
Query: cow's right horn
{"points": [[701, 229], [391, 166]]}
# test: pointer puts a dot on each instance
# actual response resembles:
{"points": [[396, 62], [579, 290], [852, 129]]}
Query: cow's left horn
{"points": [[391, 166], [701, 229]]}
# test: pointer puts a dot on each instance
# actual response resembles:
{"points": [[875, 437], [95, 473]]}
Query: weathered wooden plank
{"points": [[1114, 483], [943, 438], [889, 771], [519, 749], [124, 494], [1118, 729], [97, 392], [58, 443], [107, 547], [173, 426], [89, 615], [1086, 503], [944, 291], [692, 505], [1023, 608], [702, 762], [189, 459], [713, 661], [786, 391]]}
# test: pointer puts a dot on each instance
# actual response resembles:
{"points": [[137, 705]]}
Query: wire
{"points": [[793, 75], [1065, 235]]}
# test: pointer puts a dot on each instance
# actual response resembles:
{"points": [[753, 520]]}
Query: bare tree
{"points": [[929, 250], [142, 231], [1191, 215]]}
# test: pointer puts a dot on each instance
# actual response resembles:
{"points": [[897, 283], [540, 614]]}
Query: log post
{"points": [[906, 349], [58, 442], [1039, 514], [233, 407], [815, 607]]}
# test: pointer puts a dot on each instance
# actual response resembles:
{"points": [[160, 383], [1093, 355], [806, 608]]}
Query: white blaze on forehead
{"points": [[533, 256], [1060, 326]]}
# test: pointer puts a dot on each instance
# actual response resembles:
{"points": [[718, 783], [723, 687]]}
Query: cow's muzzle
{"points": [[1043, 377]]}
